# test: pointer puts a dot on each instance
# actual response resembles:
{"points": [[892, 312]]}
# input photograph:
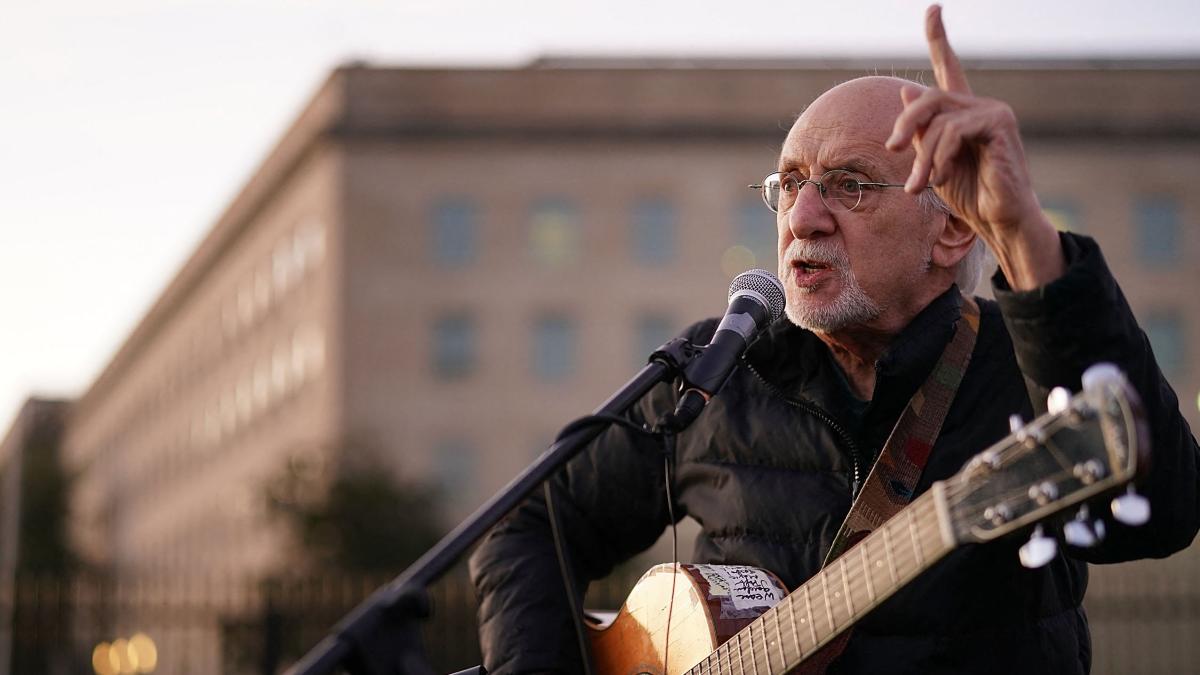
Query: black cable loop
{"points": [[596, 420], [560, 549], [667, 434]]}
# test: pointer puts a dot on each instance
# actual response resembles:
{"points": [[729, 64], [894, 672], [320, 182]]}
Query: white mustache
{"points": [[821, 251]]}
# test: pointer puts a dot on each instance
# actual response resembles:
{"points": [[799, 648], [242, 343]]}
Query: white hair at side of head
{"points": [[979, 258]]}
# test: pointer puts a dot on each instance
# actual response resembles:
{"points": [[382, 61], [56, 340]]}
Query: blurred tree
{"points": [[34, 548], [361, 519], [43, 546]]}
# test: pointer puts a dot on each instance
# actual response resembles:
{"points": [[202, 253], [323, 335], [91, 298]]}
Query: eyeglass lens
{"points": [[839, 190]]}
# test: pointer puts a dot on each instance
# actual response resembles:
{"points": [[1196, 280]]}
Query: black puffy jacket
{"points": [[767, 472]]}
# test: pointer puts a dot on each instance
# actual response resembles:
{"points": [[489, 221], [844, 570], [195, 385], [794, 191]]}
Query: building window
{"points": [[651, 331], [453, 346], [1156, 222], [554, 232], [454, 469], [454, 224], [653, 231], [308, 353], [1063, 214], [755, 239], [554, 347], [1165, 331]]}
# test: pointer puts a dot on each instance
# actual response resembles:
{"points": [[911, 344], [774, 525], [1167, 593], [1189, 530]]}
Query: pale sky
{"points": [[127, 126]]}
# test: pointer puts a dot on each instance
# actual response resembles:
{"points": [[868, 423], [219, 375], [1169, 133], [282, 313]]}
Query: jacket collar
{"points": [[797, 363]]}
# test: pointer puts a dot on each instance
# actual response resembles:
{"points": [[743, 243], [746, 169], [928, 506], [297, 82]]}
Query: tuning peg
{"points": [[1083, 531], [1058, 401], [1100, 374], [1131, 508], [1039, 550], [1015, 423]]}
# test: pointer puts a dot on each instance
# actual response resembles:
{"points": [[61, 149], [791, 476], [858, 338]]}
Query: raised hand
{"points": [[969, 148]]}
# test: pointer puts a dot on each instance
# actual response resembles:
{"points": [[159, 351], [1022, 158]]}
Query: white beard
{"points": [[851, 306]]}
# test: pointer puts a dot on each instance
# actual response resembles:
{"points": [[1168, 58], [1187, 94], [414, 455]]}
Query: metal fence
{"points": [[1141, 624], [202, 626]]}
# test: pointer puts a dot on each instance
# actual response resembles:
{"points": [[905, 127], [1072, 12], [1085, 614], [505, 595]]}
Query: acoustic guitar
{"points": [[733, 619]]}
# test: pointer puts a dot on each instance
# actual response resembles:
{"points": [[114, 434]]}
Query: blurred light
{"points": [[100, 660], [114, 659], [118, 655], [145, 654], [736, 259], [1198, 401]]}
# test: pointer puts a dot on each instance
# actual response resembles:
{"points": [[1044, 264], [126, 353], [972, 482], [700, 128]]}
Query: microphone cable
{"points": [[566, 570]]}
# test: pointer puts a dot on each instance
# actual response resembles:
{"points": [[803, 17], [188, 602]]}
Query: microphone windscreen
{"points": [[764, 284]]}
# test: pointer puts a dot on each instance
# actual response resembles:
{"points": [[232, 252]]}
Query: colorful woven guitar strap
{"points": [[890, 485]]}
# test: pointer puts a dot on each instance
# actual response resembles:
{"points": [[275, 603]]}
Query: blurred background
{"points": [[293, 287]]}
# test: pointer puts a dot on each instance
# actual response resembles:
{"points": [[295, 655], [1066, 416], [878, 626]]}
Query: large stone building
{"points": [[440, 267]]}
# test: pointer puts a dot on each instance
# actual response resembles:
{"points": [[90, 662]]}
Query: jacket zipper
{"points": [[855, 459]]}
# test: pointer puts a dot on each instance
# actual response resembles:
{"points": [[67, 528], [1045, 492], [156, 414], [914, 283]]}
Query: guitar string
{"points": [[734, 648], [856, 583], [785, 605], [954, 491]]}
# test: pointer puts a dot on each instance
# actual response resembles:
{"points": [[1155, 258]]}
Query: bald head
{"points": [[861, 112], [864, 95]]}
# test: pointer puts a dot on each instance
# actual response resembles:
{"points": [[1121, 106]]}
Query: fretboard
{"points": [[837, 596]]}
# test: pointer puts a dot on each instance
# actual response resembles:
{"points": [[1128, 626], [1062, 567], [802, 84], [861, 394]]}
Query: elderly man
{"points": [[882, 191]]}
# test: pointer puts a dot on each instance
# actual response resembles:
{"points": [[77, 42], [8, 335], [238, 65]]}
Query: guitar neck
{"points": [[841, 593]]}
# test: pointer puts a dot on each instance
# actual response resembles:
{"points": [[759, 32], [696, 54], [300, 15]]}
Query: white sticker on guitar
{"points": [[746, 587]]}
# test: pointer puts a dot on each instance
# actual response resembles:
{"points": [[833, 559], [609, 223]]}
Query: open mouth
{"points": [[808, 266]]}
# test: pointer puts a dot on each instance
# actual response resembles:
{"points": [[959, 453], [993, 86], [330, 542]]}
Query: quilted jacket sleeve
{"points": [[1081, 319]]}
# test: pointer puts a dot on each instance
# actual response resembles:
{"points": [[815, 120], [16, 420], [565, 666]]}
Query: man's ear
{"points": [[953, 242]]}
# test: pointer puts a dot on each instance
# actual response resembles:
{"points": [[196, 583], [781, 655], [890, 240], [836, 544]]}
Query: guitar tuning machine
{"points": [[1058, 401], [1083, 531], [1131, 508], [1031, 436], [1043, 493], [1088, 472], [1039, 550], [998, 514]]}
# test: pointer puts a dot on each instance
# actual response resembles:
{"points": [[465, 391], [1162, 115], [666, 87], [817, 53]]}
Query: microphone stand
{"points": [[403, 601]]}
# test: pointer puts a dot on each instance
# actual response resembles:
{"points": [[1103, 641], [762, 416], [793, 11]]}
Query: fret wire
{"points": [[712, 663], [753, 654], [922, 522], [866, 565], [779, 641], [738, 638], [920, 527], [795, 630], [846, 589], [828, 605], [887, 550], [912, 530], [812, 624], [924, 511]]}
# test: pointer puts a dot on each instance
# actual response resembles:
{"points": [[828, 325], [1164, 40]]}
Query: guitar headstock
{"points": [[1089, 444]]}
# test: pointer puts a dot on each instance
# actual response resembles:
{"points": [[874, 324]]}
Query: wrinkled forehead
{"points": [[846, 127]]}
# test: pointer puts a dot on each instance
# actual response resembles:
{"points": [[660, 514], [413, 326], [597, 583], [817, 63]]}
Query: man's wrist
{"points": [[1032, 256]]}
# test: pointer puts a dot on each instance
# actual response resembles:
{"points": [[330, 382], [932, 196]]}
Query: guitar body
{"points": [[711, 604]]}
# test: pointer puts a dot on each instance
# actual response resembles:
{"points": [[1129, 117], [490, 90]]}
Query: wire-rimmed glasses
{"points": [[840, 190]]}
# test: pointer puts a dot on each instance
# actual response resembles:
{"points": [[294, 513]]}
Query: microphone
{"points": [[755, 300]]}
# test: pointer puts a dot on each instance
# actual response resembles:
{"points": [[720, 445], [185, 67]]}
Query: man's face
{"points": [[843, 269]]}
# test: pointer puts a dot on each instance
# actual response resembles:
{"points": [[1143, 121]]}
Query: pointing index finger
{"points": [[946, 68]]}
